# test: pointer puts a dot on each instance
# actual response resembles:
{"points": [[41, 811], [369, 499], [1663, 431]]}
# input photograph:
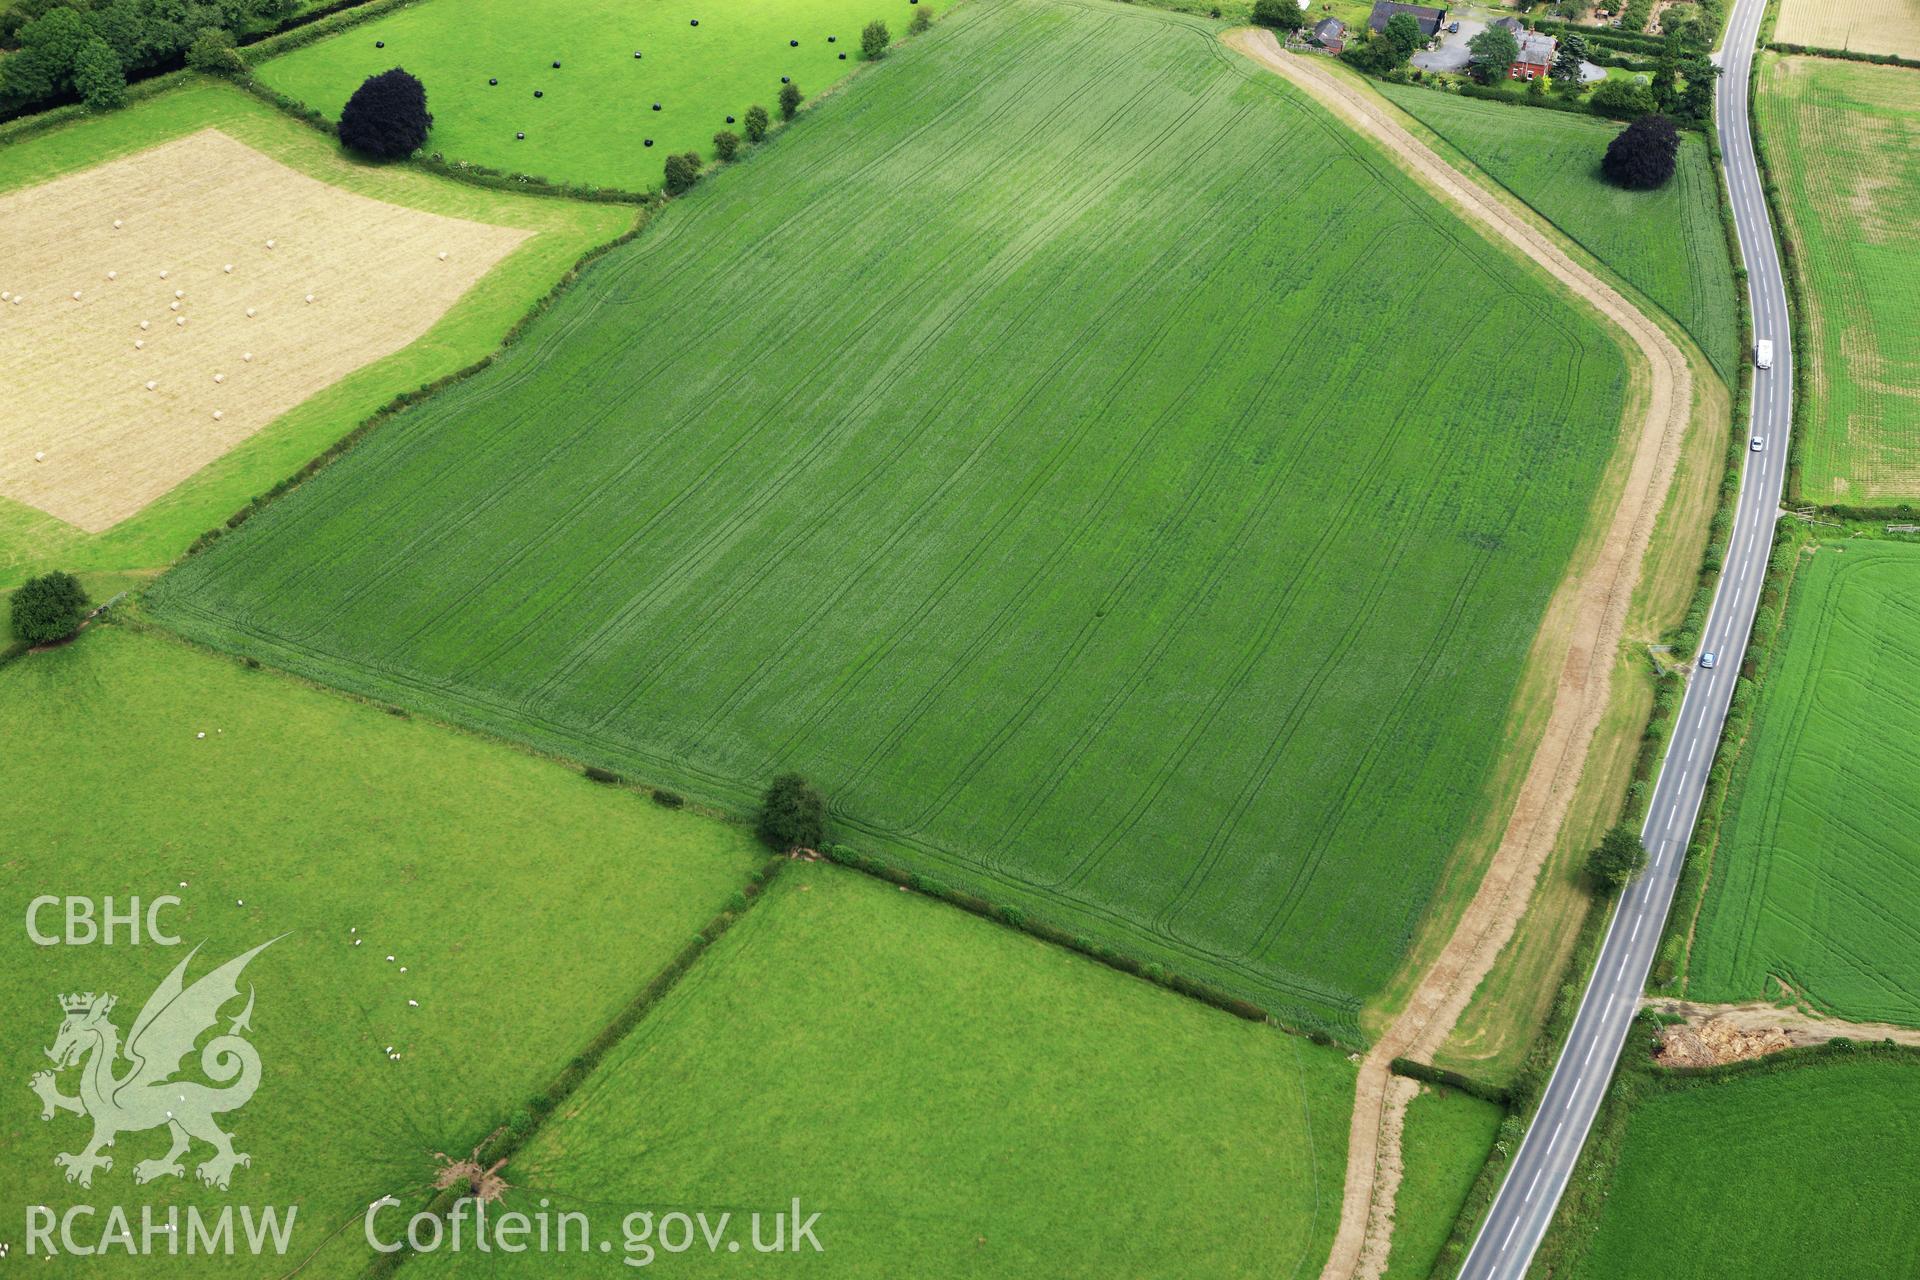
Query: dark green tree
{"points": [[682, 171], [922, 19], [874, 39], [1617, 859], [1567, 59], [726, 143], [1696, 100], [1281, 15], [757, 123], [789, 100], [1403, 33], [97, 76], [1641, 156], [1622, 99], [1492, 54], [213, 52], [48, 608], [792, 815], [387, 116]]}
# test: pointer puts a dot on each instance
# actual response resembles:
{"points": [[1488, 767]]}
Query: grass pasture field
{"points": [[1816, 880], [1771, 1174], [1065, 481], [955, 1098], [595, 113], [1669, 244], [1858, 26], [192, 472], [180, 299], [309, 815], [1447, 1139], [1840, 140]]}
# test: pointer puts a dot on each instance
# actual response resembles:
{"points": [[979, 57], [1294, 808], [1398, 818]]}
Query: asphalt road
{"points": [[1524, 1207]]}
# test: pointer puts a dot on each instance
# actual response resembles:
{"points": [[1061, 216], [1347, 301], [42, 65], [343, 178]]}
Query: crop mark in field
{"points": [[557, 337]]}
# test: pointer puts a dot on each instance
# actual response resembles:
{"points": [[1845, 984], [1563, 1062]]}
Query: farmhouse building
{"points": [[1427, 19], [1536, 56], [1330, 34]]}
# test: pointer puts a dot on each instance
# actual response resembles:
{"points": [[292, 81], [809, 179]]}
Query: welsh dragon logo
{"points": [[146, 1095]]}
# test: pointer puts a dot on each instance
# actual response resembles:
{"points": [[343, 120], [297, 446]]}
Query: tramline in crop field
{"points": [[1817, 875], [1840, 140], [1116, 486]]}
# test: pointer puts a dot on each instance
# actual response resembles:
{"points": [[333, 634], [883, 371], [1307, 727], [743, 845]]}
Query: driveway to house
{"points": [[1452, 55]]}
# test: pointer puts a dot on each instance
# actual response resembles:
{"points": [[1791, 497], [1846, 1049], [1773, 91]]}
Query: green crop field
{"points": [[1045, 446], [1669, 244], [1840, 139], [954, 1099], [31, 541], [1816, 881], [1447, 1138], [595, 115], [1776, 1174], [523, 907]]}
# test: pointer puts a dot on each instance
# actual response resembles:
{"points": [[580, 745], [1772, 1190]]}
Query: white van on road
{"points": [[1763, 354]]}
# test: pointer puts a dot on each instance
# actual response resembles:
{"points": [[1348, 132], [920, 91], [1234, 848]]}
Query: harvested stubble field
{"points": [[1816, 881], [595, 112], [1860, 26], [163, 307], [306, 814], [1044, 446], [954, 1098], [1669, 244], [1840, 139], [557, 233], [1776, 1171]]}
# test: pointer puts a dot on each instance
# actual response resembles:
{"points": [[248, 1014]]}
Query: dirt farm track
{"points": [[156, 312]]}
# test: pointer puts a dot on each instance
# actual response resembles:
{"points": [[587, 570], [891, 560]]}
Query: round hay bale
{"points": [[646, 142], [793, 44], [179, 319], [843, 57], [269, 244], [173, 306], [379, 44], [179, 293], [228, 268], [309, 297], [694, 23], [152, 385], [247, 356], [163, 273], [556, 64], [636, 53], [116, 224], [519, 137], [76, 295], [832, 39], [17, 300], [656, 106], [443, 255], [217, 415], [6, 295], [139, 343], [729, 119], [786, 79], [113, 275], [143, 324], [41, 456], [493, 80], [249, 313], [219, 378]]}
